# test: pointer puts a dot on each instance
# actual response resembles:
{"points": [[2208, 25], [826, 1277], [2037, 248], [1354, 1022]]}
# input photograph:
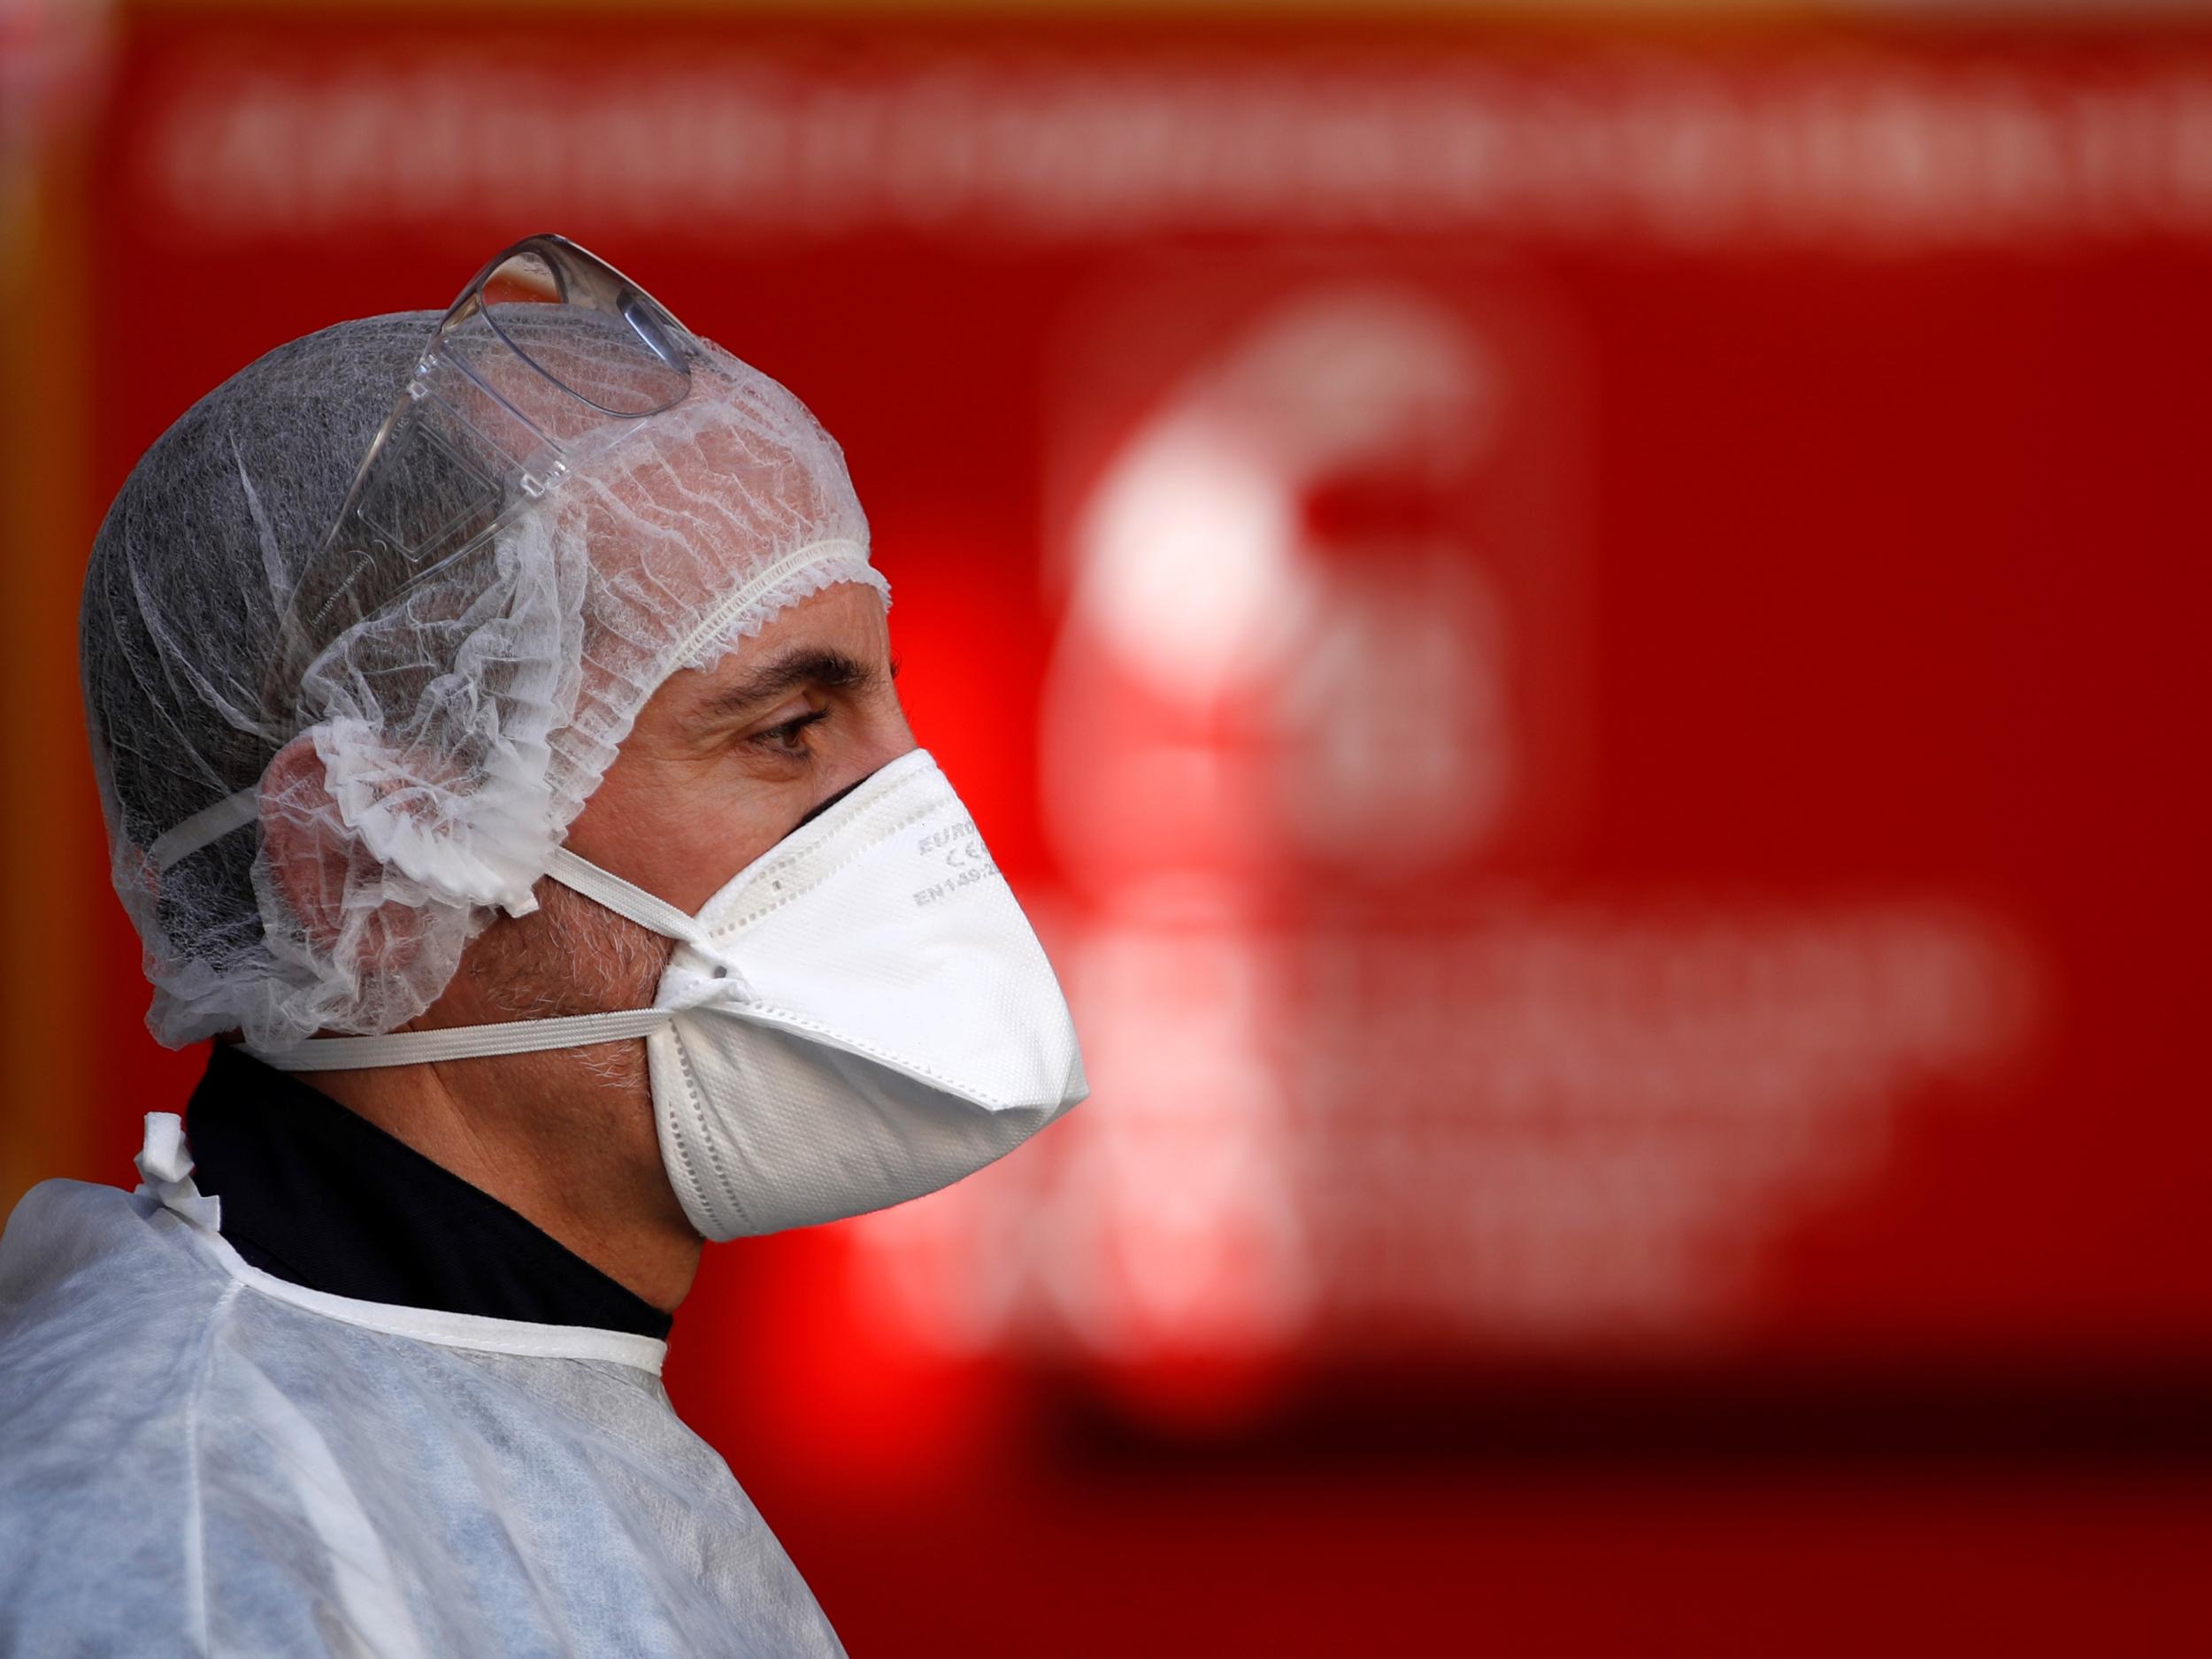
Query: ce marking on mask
{"points": [[961, 851]]}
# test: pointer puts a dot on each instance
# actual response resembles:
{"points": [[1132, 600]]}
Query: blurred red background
{"points": [[1582, 636]]}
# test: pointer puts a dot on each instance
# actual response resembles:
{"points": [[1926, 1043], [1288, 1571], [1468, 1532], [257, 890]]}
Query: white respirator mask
{"points": [[861, 1015]]}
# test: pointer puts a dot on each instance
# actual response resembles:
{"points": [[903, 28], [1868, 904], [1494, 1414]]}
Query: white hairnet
{"points": [[436, 751]]}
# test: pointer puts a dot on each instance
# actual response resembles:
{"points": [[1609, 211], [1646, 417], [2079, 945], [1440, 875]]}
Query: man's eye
{"points": [[788, 736]]}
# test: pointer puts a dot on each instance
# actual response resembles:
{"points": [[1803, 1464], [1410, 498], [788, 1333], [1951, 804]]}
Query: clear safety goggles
{"points": [[486, 425]]}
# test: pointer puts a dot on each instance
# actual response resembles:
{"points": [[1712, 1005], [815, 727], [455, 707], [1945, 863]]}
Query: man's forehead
{"points": [[835, 640]]}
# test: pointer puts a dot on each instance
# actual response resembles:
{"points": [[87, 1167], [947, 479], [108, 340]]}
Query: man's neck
{"points": [[573, 1154]]}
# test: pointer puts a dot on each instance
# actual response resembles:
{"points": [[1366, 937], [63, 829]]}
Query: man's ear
{"points": [[309, 853]]}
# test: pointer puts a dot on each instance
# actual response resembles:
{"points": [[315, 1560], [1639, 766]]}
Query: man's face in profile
{"points": [[721, 764]]}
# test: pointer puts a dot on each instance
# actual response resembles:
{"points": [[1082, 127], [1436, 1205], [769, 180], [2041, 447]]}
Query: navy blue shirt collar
{"points": [[318, 1195]]}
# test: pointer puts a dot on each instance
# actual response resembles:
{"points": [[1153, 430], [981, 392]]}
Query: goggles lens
{"points": [[549, 350], [635, 362]]}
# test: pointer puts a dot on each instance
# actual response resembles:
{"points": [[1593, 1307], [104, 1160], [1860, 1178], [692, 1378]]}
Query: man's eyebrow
{"points": [[779, 676]]}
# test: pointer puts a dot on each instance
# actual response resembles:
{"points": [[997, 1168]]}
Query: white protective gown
{"points": [[197, 1457]]}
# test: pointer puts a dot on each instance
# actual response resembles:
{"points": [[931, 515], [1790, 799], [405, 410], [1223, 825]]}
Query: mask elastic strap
{"points": [[461, 1043], [514, 1036], [624, 898]]}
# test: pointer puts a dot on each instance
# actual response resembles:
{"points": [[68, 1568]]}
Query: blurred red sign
{"points": [[1588, 658]]}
